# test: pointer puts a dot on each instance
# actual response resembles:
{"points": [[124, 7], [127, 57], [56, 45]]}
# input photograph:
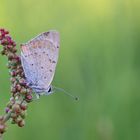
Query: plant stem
{"points": [[7, 117]]}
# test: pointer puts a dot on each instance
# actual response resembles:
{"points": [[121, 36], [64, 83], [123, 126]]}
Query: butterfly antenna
{"points": [[66, 93]]}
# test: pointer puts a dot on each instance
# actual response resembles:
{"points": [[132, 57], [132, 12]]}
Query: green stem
{"points": [[7, 117]]}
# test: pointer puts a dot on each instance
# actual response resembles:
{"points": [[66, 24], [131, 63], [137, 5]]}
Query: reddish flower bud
{"points": [[2, 30], [6, 32], [2, 33], [18, 87], [28, 98], [4, 42], [10, 56], [21, 123], [8, 39], [2, 128], [22, 82], [23, 106], [13, 73], [17, 58], [12, 79], [14, 44], [9, 47], [1, 37], [16, 108], [13, 89], [14, 50], [23, 91]]}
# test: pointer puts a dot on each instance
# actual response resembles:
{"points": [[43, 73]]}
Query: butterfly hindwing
{"points": [[39, 58]]}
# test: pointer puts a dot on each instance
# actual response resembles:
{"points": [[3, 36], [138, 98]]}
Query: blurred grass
{"points": [[99, 62]]}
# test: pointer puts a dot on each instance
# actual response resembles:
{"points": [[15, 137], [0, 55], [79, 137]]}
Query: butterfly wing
{"points": [[39, 58], [28, 62]]}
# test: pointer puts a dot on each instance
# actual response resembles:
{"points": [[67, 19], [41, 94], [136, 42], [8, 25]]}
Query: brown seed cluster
{"points": [[21, 94], [17, 110], [18, 113]]}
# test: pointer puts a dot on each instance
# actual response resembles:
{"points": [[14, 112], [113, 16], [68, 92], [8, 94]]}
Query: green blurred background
{"points": [[99, 62]]}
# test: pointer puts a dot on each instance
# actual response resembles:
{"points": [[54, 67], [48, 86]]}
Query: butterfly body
{"points": [[39, 58]]}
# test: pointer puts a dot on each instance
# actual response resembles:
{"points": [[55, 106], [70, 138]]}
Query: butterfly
{"points": [[39, 58]]}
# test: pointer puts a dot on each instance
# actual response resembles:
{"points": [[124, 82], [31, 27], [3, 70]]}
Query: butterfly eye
{"points": [[50, 90]]}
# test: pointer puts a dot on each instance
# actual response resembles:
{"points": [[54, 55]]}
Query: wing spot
{"points": [[45, 77], [57, 46], [51, 70], [32, 64], [50, 60], [42, 67], [53, 61]]}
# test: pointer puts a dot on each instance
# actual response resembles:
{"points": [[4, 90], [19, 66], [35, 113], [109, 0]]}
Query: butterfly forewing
{"points": [[39, 58]]}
